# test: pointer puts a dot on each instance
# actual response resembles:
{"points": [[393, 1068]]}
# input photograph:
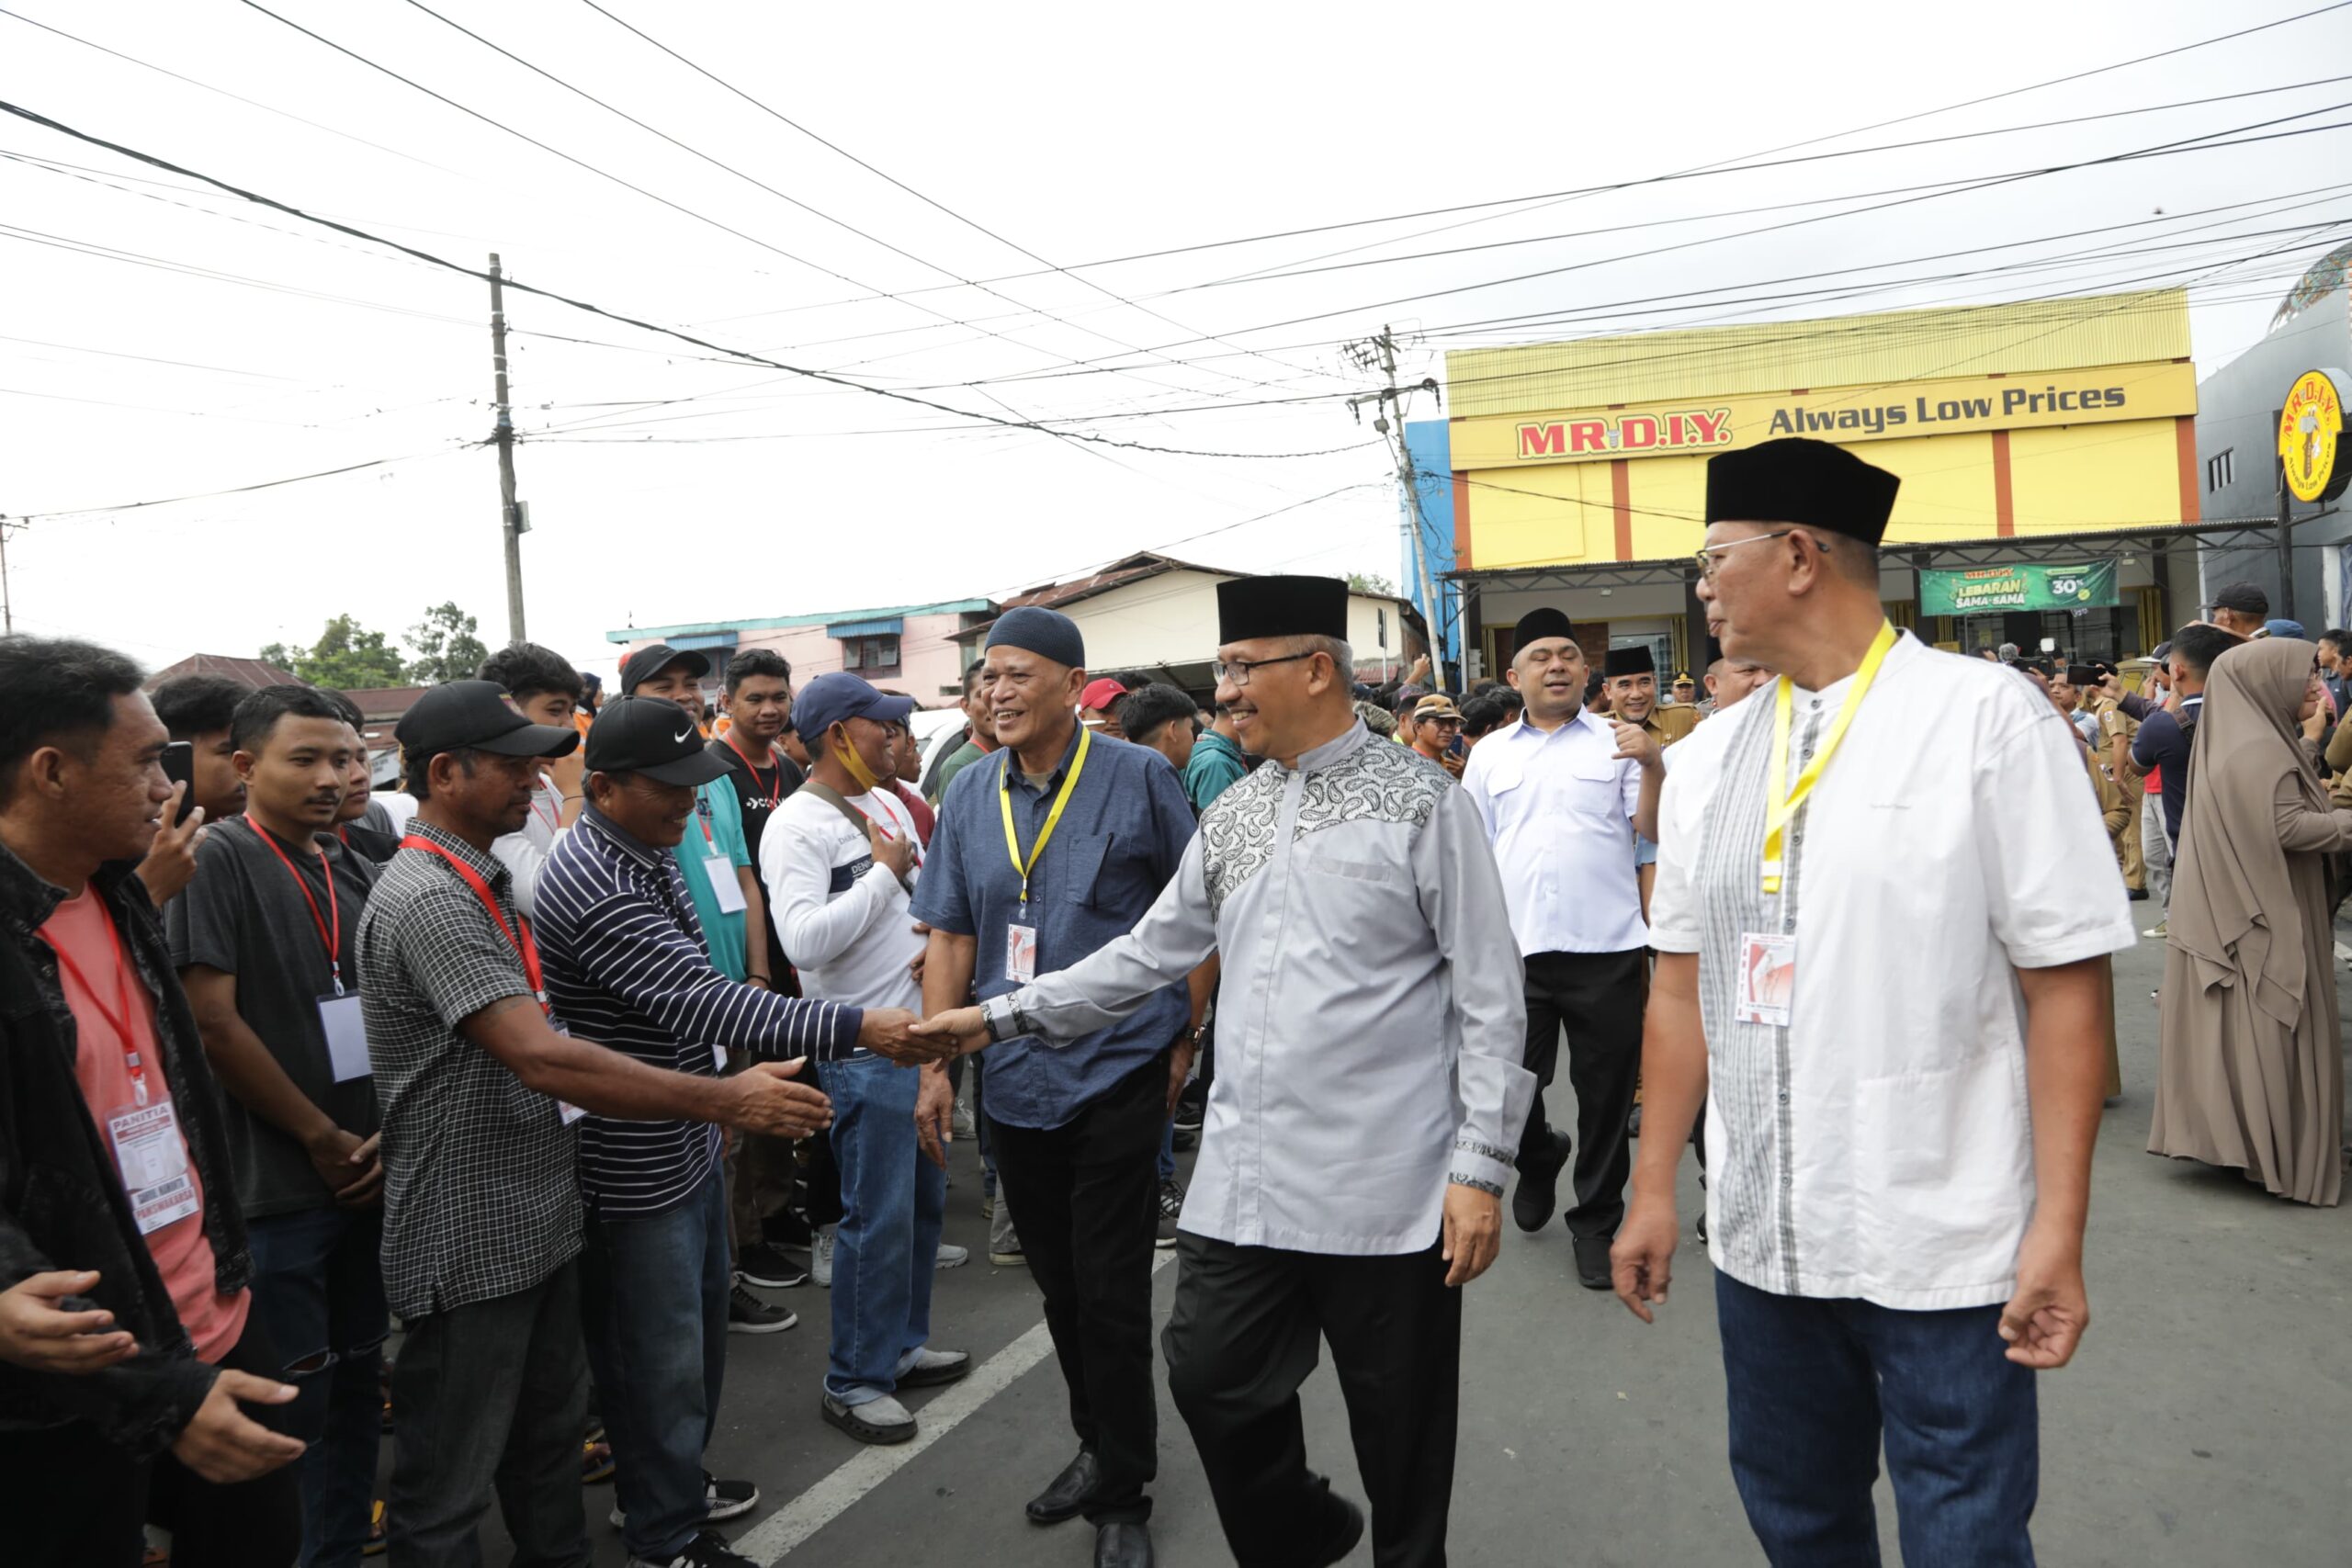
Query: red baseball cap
{"points": [[1100, 693]]}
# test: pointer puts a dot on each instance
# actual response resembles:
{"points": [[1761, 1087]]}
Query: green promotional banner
{"points": [[1990, 590]]}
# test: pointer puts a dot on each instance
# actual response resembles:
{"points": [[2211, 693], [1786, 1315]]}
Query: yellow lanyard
{"points": [[1777, 810], [1053, 816]]}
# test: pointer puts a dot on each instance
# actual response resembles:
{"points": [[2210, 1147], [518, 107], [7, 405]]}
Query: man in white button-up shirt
{"points": [[1883, 907], [1562, 792], [1368, 1094]]}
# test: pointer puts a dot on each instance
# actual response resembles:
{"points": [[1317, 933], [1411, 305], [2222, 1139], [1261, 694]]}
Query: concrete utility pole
{"points": [[7, 607], [510, 512], [1392, 401]]}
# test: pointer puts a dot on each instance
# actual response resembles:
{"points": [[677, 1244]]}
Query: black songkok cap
{"points": [[1250, 607], [1048, 634], [1537, 625], [1633, 660], [1807, 482]]}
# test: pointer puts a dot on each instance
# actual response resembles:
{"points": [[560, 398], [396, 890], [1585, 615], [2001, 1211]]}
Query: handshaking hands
{"points": [[958, 1031], [897, 1034]]}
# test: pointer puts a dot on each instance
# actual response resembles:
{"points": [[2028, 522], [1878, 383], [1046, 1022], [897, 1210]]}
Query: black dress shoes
{"points": [[1068, 1493], [1592, 1261], [1123, 1546], [1538, 1191], [1347, 1529]]}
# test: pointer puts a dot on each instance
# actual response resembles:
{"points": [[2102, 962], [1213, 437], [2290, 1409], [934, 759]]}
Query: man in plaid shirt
{"points": [[479, 1090]]}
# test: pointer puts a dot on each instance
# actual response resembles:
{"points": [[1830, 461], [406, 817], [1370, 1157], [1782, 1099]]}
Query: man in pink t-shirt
{"points": [[134, 1386]]}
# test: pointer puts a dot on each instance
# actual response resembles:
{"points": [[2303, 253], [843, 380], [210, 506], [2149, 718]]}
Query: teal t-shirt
{"points": [[716, 832]]}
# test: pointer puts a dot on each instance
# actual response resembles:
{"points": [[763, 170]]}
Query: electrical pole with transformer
{"points": [[1383, 349]]}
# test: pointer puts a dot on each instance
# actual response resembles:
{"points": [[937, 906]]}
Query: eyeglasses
{"points": [[1705, 555], [1238, 671]]}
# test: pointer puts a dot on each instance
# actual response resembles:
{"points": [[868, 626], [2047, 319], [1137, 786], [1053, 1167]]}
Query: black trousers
{"points": [[71, 1499], [1240, 1341], [1598, 999], [1086, 1195], [491, 1398]]}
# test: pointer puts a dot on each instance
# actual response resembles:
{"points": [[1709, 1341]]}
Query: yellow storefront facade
{"points": [[2048, 432]]}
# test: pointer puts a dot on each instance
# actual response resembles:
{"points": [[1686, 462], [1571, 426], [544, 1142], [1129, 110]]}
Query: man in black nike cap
{"points": [[627, 968]]}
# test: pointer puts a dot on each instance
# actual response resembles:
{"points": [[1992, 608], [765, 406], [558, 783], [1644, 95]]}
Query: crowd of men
{"points": [[564, 1058]]}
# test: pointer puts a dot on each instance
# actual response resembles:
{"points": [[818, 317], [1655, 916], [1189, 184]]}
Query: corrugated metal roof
{"points": [[2026, 337]]}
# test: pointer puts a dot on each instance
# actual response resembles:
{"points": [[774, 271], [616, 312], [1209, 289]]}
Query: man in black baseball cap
{"points": [[629, 966], [482, 1212], [665, 672], [460, 717], [2240, 607]]}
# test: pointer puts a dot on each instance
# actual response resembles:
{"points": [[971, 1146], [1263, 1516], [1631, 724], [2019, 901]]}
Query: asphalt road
{"points": [[2207, 1420]]}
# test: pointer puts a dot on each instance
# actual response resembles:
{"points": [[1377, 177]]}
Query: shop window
{"points": [[871, 656], [2220, 469]]}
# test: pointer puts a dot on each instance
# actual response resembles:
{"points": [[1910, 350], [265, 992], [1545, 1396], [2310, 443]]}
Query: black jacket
{"points": [[62, 1204]]}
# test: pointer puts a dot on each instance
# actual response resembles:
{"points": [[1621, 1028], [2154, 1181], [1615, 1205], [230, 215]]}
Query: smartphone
{"points": [[179, 766]]}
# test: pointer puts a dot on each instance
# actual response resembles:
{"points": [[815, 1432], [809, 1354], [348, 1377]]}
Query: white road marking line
{"points": [[2344, 952], [774, 1537]]}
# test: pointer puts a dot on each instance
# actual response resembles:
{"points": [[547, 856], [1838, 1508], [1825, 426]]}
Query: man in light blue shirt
{"points": [[1098, 827]]}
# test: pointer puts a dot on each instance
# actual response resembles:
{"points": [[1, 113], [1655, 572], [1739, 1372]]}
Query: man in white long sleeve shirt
{"points": [[839, 859], [1369, 1101]]}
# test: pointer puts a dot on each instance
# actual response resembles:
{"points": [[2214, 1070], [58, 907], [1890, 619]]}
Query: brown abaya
{"points": [[2253, 1072]]}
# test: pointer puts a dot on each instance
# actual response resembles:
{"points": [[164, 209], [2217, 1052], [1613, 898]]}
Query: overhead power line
{"points": [[1051, 267], [1011, 424], [2205, 142], [1742, 164], [243, 489], [1024, 309], [251, 102]]}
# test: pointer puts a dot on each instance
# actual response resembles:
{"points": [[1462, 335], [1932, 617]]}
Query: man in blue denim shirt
{"points": [[1100, 826]]}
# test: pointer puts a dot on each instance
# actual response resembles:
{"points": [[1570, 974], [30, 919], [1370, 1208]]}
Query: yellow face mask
{"points": [[847, 756]]}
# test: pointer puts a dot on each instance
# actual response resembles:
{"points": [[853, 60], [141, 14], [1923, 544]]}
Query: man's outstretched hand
{"points": [[958, 1031], [767, 1100]]}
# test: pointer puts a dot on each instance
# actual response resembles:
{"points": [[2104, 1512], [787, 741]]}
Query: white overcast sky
{"points": [[1079, 133]]}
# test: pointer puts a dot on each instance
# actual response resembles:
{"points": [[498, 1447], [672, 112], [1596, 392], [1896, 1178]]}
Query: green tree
{"points": [[1370, 582], [348, 657], [446, 646]]}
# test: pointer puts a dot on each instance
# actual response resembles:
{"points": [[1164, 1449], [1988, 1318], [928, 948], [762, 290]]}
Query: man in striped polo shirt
{"points": [[627, 968]]}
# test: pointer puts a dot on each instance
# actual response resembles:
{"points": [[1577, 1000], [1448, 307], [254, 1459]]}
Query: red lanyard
{"points": [[774, 795], [330, 934], [702, 819], [525, 946], [119, 1022]]}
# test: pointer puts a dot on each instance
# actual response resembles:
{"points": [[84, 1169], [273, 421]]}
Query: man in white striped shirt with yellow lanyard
{"points": [[1900, 1128]]}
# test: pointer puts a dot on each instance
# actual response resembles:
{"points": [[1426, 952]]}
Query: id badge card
{"points": [[346, 1037], [153, 1162], [724, 888], [1767, 980], [1019, 954]]}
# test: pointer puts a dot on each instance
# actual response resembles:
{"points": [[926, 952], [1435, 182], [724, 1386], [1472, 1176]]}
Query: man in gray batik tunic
{"points": [[1368, 1098]]}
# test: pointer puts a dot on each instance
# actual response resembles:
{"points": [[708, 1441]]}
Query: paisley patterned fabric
{"points": [[1374, 783]]}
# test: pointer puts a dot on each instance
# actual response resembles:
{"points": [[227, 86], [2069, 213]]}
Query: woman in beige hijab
{"points": [[2253, 1073]]}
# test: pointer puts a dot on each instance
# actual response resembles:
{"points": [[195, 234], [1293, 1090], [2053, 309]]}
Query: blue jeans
{"points": [[885, 1246], [318, 1290], [1815, 1384], [653, 1301]]}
